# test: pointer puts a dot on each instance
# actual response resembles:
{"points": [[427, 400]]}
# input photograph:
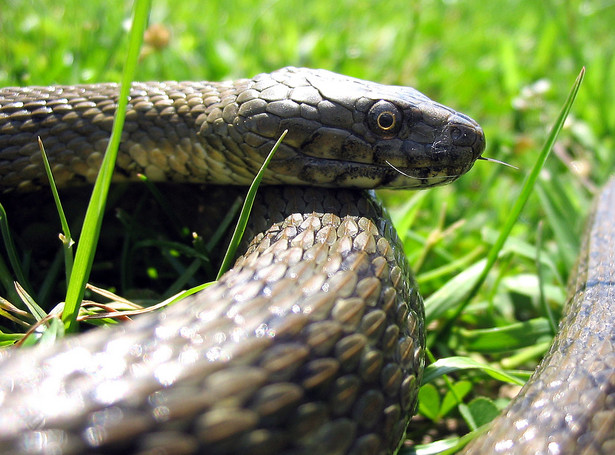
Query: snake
{"points": [[568, 404], [314, 342]]}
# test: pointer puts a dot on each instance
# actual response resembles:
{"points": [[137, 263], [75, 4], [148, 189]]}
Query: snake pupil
{"points": [[386, 120]]}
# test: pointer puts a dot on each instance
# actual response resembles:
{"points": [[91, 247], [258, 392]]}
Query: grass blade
{"points": [[526, 191], [27, 299], [65, 237], [94, 214], [11, 252], [507, 338], [452, 364], [240, 227]]}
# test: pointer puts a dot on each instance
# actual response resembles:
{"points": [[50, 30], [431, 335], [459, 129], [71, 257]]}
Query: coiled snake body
{"points": [[313, 342]]}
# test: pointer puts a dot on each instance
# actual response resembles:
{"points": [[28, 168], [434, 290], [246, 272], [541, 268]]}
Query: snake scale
{"points": [[568, 405], [314, 342]]}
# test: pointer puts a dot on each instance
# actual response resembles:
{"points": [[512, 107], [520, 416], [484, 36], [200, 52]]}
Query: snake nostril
{"points": [[465, 136], [456, 133], [462, 135]]}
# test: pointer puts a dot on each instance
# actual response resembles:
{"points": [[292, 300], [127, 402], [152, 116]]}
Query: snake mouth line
{"points": [[405, 174], [327, 172]]}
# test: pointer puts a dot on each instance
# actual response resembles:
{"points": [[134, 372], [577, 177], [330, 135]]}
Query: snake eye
{"points": [[384, 119]]}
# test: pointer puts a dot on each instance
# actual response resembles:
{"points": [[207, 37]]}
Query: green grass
{"points": [[92, 222], [509, 65]]}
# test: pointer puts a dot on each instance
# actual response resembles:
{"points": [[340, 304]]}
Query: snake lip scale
{"points": [[314, 341]]}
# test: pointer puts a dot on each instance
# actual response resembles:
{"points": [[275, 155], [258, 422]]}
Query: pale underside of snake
{"points": [[314, 342]]}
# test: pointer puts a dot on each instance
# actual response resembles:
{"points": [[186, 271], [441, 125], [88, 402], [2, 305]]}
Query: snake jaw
{"points": [[332, 157]]}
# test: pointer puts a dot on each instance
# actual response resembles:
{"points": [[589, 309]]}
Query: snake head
{"points": [[344, 131]]}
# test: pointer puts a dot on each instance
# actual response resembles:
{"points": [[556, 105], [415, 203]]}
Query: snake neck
{"points": [[162, 135]]}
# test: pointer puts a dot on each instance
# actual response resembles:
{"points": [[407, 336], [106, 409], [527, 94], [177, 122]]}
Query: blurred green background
{"points": [[507, 64]]}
